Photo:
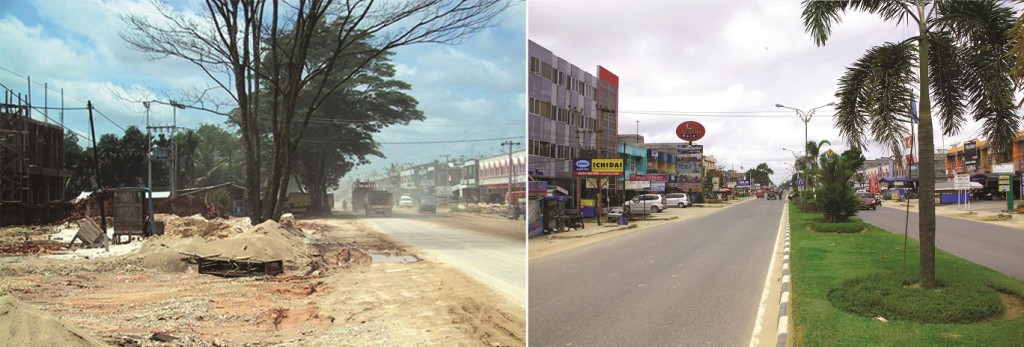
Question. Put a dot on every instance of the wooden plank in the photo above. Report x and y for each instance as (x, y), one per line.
(90, 233)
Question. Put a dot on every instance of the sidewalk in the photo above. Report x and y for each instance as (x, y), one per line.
(983, 211)
(557, 242)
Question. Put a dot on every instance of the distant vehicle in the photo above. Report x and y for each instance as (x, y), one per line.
(772, 195)
(405, 201)
(428, 203)
(379, 202)
(646, 204)
(516, 196)
(867, 201)
(759, 193)
(428, 199)
(359, 191)
(300, 203)
(681, 200)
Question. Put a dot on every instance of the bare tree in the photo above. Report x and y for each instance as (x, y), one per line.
(249, 47)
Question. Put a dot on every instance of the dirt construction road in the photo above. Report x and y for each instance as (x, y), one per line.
(365, 291)
(489, 249)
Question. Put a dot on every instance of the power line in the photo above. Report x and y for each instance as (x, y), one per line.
(46, 86)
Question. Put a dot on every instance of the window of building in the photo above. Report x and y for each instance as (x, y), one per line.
(534, 65)
(545, 70)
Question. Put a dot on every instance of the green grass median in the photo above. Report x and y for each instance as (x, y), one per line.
(843, 279)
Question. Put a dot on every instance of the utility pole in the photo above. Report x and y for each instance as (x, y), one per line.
(99, 183)
(174, 148)
(508, 195)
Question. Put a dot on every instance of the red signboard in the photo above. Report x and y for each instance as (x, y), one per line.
(690, 131)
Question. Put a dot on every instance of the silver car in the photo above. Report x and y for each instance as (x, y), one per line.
(680, 200)
(646, 204)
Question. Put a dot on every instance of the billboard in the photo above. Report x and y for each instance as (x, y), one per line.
(689, 163)
(971, 154)
(598, 167)
(649, 177)
(638, 185)
(658, 187)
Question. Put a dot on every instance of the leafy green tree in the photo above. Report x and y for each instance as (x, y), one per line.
(255, 49)
(348, 119)
(761, 174)
(809, 163)
(960, 55)
(75, 161)
(123, 160)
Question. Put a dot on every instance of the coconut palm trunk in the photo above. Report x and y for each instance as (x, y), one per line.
(926, 162)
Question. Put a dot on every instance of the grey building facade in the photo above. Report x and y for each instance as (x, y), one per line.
(563, 118)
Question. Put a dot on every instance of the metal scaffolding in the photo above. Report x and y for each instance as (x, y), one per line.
(31, 167)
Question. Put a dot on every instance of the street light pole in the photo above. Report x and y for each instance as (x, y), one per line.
(508, 194)
(806, 118)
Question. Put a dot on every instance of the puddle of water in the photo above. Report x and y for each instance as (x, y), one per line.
(392, 259)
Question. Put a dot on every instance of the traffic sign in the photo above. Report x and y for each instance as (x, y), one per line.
(962, 182)
(690, 131)
(800, 182)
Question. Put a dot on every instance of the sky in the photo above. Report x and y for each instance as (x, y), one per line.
(725, 64)
(474, 90)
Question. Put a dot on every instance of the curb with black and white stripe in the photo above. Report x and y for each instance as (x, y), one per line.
(783, 331)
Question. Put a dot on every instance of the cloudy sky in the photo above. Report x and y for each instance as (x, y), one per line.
(471, 91)
(722, 63)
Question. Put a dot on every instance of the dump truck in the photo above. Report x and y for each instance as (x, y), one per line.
(300, 203)
(359, 191)
(428, 202)
(379, 202)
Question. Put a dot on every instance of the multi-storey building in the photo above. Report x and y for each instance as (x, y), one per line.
(496, 171)
(564, 121)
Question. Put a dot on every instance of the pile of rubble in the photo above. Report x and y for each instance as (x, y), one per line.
(185, 238)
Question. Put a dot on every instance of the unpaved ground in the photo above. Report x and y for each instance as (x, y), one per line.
(347, 302)
(483, 223)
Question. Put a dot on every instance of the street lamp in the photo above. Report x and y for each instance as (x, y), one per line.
(805, 116)
(796, 157)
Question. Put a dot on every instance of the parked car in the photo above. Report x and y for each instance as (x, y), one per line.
(646, 204)
(867, 201)
(405, 201)
(680, 200)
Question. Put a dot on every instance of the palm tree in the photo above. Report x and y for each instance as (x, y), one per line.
(960, 54)
(810, 164)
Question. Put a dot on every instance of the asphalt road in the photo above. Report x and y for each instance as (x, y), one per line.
(997, 247)
(694, 282)
(496, 261)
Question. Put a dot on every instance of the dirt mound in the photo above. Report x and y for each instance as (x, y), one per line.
(266, 241)
(198, 226)
(23, 325)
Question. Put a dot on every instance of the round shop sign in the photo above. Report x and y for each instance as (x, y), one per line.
(583, 163)
(690, 131)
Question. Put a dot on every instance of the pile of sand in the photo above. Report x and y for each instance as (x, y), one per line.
(196, 225)
(264, 242)
(24, 325)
